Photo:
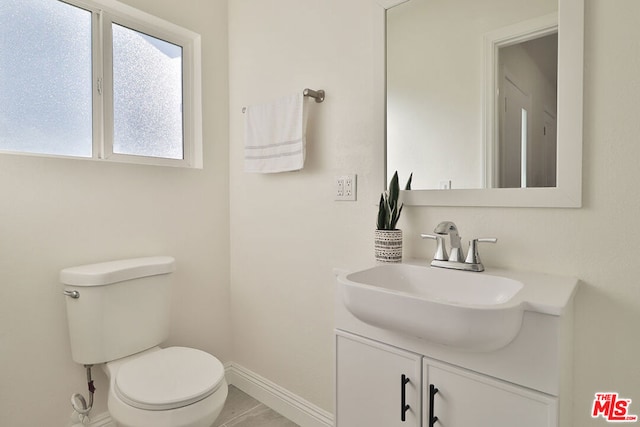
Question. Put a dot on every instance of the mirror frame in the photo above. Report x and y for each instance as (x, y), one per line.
(568, 190)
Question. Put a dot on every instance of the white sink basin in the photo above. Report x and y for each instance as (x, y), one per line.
(464, 310)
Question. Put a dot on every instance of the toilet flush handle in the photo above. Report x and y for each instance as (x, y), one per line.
(72, 294)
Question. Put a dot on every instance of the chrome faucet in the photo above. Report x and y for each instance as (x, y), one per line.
(455, 260)
(448, 227)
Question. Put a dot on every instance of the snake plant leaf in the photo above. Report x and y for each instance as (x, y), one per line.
(382, 214)
(408, 186)
(393, 218)
(396, 219)
(394, 191)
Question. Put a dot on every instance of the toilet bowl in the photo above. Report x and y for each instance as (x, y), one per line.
(118, 315)
(170, 387)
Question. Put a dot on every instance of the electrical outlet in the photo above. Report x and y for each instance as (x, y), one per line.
(445, 185)
(345, 187)
(348, 187)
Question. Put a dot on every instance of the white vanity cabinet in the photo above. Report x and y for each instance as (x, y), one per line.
(372, 390)
(376, 384)
(465, 398)
(496, 362)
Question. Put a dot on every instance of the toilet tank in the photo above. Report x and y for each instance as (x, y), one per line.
(122, 307)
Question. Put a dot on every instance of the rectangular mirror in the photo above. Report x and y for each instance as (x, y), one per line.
(483, 100)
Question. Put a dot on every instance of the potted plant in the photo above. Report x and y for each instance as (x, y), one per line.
(388, 238)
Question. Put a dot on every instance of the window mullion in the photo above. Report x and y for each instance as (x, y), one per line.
(107, 85)
(98, 85)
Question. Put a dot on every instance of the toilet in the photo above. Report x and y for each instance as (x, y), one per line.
(118, 315)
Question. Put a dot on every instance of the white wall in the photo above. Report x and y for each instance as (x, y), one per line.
(58, 213)
(287, 233)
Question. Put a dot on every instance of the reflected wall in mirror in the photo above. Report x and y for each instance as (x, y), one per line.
(526, 143)
(471, 86)
(522, 75)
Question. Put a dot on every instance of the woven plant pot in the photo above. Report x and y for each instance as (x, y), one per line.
(388, 245)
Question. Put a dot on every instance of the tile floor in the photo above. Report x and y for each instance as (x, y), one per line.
(242, 410)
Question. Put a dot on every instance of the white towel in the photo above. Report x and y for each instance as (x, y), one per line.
(274, 135)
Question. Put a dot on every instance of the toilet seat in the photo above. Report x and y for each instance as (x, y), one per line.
(169, 378)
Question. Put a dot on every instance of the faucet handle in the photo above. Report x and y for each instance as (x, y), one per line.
(473, 257)
(441, 252)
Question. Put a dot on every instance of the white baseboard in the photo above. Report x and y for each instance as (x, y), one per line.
(281, 400)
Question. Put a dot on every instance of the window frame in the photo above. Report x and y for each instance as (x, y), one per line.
(104, 13)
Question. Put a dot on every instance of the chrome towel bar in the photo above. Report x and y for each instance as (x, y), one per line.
(318, 95)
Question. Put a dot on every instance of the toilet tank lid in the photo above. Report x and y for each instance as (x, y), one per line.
(105, 273)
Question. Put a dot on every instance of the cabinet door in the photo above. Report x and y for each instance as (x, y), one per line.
(376, 385)
(466, 399)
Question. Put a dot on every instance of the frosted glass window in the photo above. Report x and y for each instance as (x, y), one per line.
(101, 80)
(147, 95)
(45, 78)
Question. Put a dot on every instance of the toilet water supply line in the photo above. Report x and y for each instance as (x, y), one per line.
(78, 402)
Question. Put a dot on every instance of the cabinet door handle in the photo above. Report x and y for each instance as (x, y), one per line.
(403, 398)
(432, 394)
